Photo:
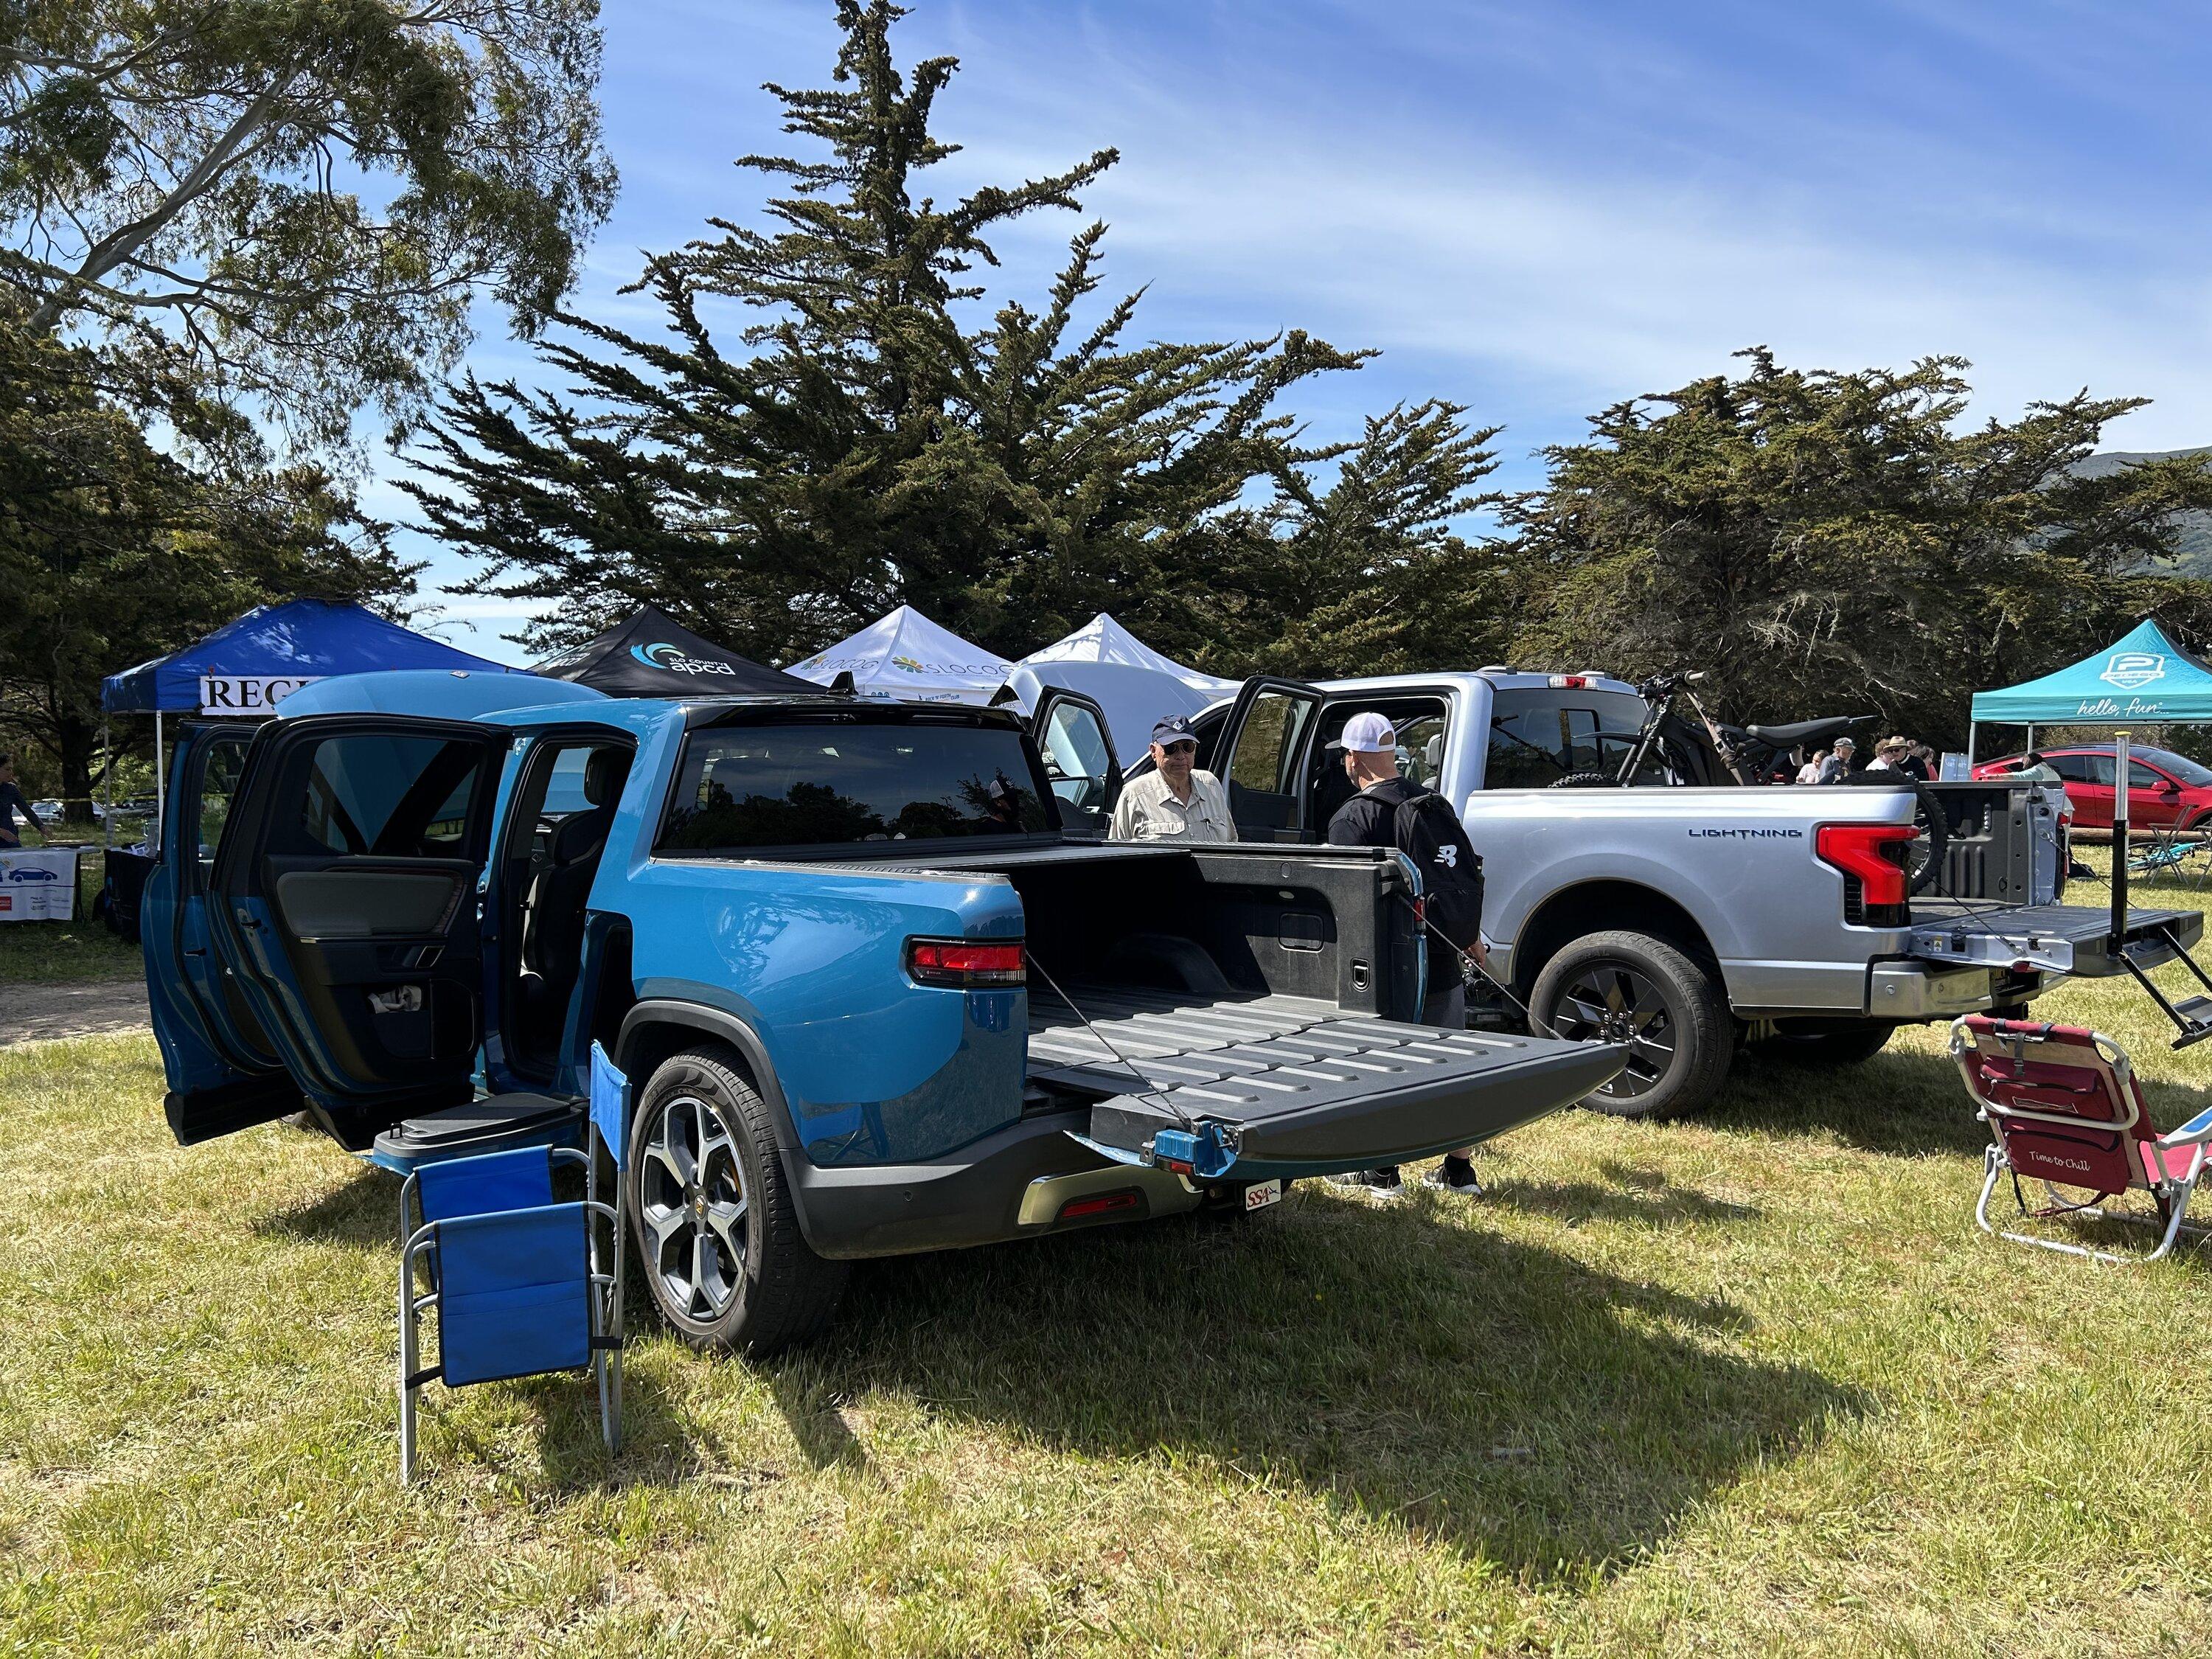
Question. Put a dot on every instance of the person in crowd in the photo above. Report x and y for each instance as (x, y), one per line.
(1886, 756)
(12, 802)
(1918, 762)
(1369, 819)
(1175, 801)
(1837, 768)
(2033, 767)
(1810, 771)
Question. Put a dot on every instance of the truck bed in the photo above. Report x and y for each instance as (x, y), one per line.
(1292, 1084)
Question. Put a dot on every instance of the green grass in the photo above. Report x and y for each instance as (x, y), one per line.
(1747, 1383)
(56, 952)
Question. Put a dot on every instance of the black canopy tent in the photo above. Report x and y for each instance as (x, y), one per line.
(652, 655)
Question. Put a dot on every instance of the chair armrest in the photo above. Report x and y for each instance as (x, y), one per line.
(2196, 1132)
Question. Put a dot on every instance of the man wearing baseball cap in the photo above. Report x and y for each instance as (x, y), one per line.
(1174, 801)
(1369, 819)
(1837, 768)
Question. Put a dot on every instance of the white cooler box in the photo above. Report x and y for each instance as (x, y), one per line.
(38, 886)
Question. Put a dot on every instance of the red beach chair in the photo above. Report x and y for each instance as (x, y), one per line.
(2064, 1108)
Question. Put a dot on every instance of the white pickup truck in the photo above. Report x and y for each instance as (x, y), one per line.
(1686, 922)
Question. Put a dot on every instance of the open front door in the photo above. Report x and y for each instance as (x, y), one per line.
(343, 901)
(1071, 734)
(223, 1074)
(1261, 755)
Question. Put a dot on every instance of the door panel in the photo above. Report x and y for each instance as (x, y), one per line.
(1070, 734)
(354, 903)
(1262, 749)
(349, 909)
(223, 1074)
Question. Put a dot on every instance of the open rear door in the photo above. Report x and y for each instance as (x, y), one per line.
(1071, 733)
(1260, 757)
(223, 1074)
(344, 902)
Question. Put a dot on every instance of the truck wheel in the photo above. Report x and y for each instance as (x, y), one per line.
(1827, 1042)
(716, 1228)
(1629, 988)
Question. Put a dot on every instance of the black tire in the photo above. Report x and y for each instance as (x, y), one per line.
(1925, 862)
(1827, 1041)
(777, 1291)
(1585, 781)
(1697, 1035)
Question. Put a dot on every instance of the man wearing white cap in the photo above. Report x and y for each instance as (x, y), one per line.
(1369, 819)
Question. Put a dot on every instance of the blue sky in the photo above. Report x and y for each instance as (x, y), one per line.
(1532, 209)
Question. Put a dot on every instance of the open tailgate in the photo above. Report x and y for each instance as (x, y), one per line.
(1251, 1088)
(2063, 938)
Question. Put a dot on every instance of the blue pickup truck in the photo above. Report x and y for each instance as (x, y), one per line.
(877, 984)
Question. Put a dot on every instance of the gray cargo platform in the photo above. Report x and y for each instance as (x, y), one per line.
(1296, 1085)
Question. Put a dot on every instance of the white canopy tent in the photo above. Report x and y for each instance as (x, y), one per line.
(1103, 640)
(1134, 685)
(906, 656)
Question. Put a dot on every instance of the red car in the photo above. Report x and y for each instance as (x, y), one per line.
(2163, 787)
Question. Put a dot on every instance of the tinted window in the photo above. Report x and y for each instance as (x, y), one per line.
(829, 784)
(2181, 767)
(2098, 769)
(1537, 738)
(2075, 768)
(219, 775)
(2141, 777)
(394, 797)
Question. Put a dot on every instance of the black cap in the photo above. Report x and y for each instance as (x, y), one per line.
(1174, 729)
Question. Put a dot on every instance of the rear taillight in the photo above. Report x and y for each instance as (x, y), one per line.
(1570, 682)
(964, 963)
(1872, 855)
(1104, 1204)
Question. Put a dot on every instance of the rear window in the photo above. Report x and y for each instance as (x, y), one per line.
(827, 784)
(1537, 738)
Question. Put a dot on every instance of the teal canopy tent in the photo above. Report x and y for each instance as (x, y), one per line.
(2145, 678)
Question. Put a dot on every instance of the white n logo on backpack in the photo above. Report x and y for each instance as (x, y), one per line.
(1447, 855)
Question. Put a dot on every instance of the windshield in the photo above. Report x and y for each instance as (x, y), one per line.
(2183, 770)
(834, 783)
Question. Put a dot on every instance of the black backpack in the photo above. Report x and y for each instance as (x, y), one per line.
(1429, 832)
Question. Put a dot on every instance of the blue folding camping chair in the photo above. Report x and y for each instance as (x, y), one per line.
(520, 1283)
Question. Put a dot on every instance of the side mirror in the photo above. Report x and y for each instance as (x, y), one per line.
(2168, 786)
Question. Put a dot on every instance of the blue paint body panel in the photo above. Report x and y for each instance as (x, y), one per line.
(871, 1067)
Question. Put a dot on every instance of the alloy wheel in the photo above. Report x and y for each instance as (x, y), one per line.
(691, 1208)
(1611, 1002)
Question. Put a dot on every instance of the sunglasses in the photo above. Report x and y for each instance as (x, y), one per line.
(1184, 748)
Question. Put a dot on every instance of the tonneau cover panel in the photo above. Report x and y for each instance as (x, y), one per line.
(1291, 1085)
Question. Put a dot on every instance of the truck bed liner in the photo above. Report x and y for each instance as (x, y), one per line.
(1296, 1086)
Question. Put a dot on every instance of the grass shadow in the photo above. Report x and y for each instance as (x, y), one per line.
(1636, 1195)
(1509, 1399)
(362, 1211)
(1900, 1103)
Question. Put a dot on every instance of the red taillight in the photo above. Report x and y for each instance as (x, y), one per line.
(964, 963)
(1570, 682)
(1873, 852)
(1103, 1204)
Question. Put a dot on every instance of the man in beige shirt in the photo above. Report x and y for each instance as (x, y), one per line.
(1174, 801)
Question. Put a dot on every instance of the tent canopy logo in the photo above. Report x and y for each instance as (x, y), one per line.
(2131, 669)
(672, 658)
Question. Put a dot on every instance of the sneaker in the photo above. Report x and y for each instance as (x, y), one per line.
(1454, 1174)
(1377, 1183)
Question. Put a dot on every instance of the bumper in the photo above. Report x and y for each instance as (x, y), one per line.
(1932, 991)
(1009, 1185)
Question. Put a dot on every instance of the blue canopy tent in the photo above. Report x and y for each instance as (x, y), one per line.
(247, 666)
(2145, 678)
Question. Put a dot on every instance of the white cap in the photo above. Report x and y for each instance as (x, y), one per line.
(1367, 734)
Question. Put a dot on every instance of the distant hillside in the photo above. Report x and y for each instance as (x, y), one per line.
(2194, 552)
